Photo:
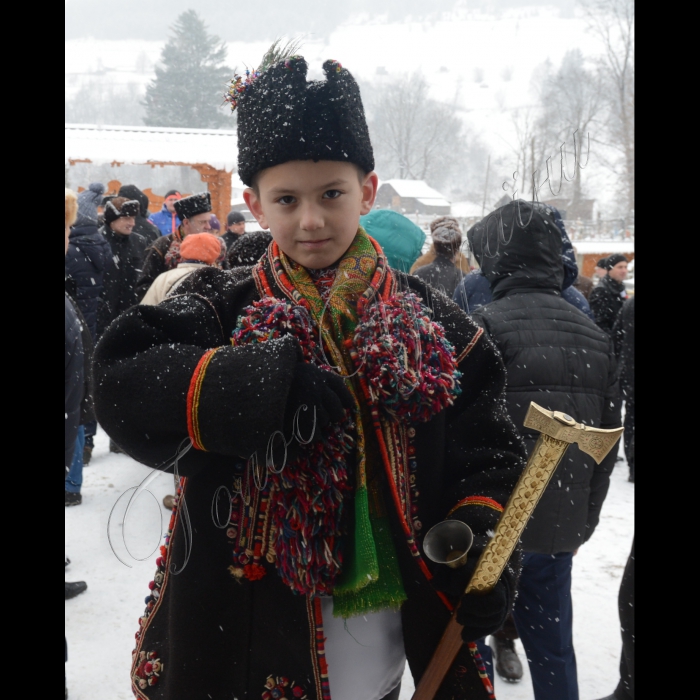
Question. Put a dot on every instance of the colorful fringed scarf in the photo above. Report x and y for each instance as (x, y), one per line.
(397, 360)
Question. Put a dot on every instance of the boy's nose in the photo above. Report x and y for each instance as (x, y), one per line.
(311, 218)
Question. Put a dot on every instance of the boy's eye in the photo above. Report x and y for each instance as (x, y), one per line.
(287, 199)
(332, 194)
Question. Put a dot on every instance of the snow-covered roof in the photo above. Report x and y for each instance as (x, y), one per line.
(417, 189)
(145, 144)
(585, 247)
(434, 202)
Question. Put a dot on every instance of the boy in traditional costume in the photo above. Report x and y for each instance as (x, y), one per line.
(334, 410)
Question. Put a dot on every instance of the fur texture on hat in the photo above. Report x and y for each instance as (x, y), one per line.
(121, 206)
(249, 248)
(199, 203)
(88, 201)
(282, 117)
(204, 247)
(446, 235)
(71, 207)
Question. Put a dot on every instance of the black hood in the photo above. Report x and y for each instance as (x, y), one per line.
(133, 192)
(518, 247)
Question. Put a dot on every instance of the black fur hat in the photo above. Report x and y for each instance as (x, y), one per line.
(249, 248)
(121, 206)
(188, 207)
(282, 117)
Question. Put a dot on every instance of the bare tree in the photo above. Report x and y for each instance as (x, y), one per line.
(414, 136)
(612, 21)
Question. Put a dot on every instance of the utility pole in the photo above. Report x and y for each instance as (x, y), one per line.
(486, 186)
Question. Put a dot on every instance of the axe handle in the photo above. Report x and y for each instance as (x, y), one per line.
(533, 481)
(439, 665)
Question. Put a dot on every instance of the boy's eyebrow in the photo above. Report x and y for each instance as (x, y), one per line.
(290, 190)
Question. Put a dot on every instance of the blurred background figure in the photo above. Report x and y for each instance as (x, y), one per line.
(248, 248)
(88, 257)
(74, 384)
(400, 239)
(167, 220)
(195, 214)
(128, 249)
(599, 271)
(197, 250)
(443, 273)
(235, 227)
(559, 358)
(215, 225)
(610, 294)
(623, 335)
(461, 262)
(584, 285)
(143, 226)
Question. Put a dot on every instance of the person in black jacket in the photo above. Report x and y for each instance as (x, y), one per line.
(442, 273)
(128, 249)
(235, 228)
(142, 225)
(164, 254)
(610, 294)
(623, 334)
(560, 359)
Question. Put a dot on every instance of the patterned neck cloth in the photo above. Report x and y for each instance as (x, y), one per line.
(370, 579)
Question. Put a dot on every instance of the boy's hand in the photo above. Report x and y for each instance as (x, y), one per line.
(480, 614)
(316, 388)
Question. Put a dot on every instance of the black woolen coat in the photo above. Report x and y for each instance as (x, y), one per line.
(88, 257)
(558, 358)
(120, 279)
(153, 264)
(220, 637)
(624, 346)
(606, 300)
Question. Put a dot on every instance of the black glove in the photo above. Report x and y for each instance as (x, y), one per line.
(479, 614)
(315, 388)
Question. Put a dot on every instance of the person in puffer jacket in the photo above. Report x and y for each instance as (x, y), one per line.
(89, 256)
(557, 357)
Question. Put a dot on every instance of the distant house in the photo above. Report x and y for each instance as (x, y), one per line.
(411, 197)
(154, 159)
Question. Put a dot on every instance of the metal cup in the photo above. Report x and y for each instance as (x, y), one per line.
(448, 543)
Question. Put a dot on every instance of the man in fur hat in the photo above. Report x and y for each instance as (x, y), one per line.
(195, 213)
(314, 452)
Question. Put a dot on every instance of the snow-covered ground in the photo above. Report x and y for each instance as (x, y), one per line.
(100, 623)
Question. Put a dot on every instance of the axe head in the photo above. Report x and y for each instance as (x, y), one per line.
(595, 442)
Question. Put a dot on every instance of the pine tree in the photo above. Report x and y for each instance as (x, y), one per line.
(190, 79)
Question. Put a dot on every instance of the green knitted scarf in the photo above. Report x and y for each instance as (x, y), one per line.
(370, 579)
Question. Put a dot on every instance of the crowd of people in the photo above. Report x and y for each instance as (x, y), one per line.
(412, 418)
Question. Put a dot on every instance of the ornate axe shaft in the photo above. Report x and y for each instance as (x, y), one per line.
(557, 432)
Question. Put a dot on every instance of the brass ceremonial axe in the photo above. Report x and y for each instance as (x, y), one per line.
(557, 432)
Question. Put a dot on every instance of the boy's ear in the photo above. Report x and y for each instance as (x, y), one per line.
(253, 201)
(370, 184)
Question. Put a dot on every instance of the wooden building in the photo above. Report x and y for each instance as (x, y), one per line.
(155, 160)
(411, 197)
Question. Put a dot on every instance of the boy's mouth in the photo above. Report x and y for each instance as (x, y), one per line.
(313, 245)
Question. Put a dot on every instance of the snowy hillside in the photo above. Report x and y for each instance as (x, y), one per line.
(481, 63)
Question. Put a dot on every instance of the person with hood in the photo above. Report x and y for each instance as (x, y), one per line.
(249, 248)
(88, 257)
(558, 358)
(474, 290)
(610, 294)
(143, 226)
(195, 213)
(167, 220)
(128, 249)
(442, 273)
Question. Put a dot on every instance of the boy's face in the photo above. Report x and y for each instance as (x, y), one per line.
(312, 209)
